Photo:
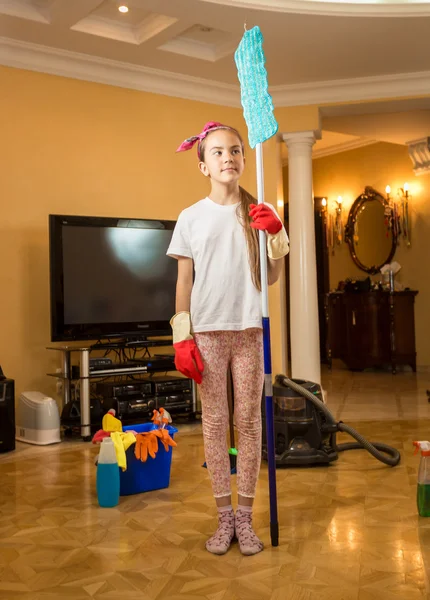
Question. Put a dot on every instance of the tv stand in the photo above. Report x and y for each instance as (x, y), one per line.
(66, 376)
(138, 342)
(85, 375)
(141, 342)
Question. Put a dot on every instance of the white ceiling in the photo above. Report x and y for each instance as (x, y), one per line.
(395, 128)
(299, 48)
(315, 54)
(395, 121)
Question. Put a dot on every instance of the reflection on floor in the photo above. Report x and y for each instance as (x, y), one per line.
(377, 396)
(347, 532)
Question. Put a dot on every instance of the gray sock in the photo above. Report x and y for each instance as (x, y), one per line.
(248, 541)
(220, 542)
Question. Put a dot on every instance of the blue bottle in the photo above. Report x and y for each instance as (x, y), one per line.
(107, 475)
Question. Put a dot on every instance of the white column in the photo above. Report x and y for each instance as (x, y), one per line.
(304, 325)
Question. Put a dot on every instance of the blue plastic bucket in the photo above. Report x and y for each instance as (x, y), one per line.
(154, 474)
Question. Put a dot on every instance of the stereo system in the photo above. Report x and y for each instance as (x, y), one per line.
(113, 389)
(99, 363)
(133, 398)
(105, 366)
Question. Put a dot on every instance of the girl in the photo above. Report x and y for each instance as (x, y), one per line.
(218, 320)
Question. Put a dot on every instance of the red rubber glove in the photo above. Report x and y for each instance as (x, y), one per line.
(264, 218)
(188, 360)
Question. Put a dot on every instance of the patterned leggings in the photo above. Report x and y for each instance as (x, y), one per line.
(243, 351)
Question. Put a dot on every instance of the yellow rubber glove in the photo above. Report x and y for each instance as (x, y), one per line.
(278, 244)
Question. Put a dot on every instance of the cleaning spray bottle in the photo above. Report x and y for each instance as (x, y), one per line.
(423, 488)
(107, 475)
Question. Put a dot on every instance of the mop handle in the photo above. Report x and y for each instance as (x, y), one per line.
(268, 387)
(262, 234)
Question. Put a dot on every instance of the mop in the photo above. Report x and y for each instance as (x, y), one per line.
(258, 112)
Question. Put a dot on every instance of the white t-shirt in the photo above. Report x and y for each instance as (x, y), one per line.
(223, 295)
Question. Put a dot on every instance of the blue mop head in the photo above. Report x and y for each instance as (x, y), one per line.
(256, 101)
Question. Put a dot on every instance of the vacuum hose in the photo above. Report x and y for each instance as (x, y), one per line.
(386, 454)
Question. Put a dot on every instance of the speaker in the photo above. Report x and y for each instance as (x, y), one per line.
(7, 415)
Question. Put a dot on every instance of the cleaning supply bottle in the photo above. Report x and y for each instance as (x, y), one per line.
(107, 475)
(423, 488)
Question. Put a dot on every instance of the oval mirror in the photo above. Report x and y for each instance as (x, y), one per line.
(369, 233)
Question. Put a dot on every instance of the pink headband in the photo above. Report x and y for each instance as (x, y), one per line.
(208, 128)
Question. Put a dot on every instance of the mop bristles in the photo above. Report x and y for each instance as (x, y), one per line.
(256, 101)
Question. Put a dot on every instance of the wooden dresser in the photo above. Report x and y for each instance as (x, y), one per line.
(371, 329)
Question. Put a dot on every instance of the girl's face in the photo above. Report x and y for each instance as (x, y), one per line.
(223, 159)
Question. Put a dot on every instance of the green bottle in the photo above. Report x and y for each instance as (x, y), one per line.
(423, 487)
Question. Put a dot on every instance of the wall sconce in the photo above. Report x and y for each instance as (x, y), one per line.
(333, 222)
(338, 222)
(399, 219)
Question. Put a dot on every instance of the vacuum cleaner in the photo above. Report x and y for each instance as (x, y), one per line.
(305, 429)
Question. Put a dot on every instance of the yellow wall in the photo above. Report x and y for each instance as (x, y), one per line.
(346, 174)
(298, 118)
(74, 147)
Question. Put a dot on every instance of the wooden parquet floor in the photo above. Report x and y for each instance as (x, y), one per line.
(347, 532)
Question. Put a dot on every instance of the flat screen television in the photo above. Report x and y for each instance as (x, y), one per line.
(110, 277)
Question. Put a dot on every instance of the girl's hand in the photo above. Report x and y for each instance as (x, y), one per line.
(188, 360)
(264, 218)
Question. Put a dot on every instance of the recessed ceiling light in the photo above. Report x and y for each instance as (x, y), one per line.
(123, 8)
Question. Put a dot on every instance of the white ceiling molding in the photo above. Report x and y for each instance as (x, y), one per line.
(106, 28)
(196, 49)
(344, 147)
(419, 151)
(337, 148)
(23, 10)
(153, 25)
(123, 32)
(65, 14)
(33, 57)
(204, 43)
(340, 8)
(346, 90)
